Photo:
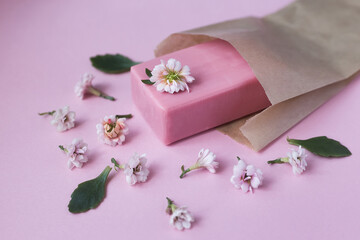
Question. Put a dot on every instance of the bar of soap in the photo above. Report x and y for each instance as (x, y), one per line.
(224, 89)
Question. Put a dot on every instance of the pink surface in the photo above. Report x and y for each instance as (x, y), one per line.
(45, 46)
(224, 89)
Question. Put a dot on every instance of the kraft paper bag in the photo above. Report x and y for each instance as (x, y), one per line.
(302, 55)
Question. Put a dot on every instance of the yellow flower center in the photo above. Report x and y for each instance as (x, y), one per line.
(173, 76)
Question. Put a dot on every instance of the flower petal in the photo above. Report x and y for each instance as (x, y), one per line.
(171, 64)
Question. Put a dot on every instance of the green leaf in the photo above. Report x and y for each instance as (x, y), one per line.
(322, 146)
(148, 82)
(148, 72)
(89, 194)
(112, 63)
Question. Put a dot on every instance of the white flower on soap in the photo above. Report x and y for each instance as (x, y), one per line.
(112, 130)
(206, 159)
(76, 152)
(64, 119)
(246, 177)
(171, 77)
(136, 170)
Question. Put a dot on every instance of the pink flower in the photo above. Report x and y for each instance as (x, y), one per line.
(181, 218)
(76, 152)
(136, 170)
(171, 77)
(83, 85)
(297, 160)
(112, 130)
(206, 159)
(64, 119)
(246, 176)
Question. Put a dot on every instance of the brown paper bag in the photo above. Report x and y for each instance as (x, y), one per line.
(301, 55)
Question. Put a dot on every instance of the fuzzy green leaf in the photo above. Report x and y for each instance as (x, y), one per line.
(109, 63)
(148, 72)
(89, 194)
(148, 82)
(322, 146)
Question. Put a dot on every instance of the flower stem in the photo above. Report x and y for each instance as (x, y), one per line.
(117, 166)
(279, 161)
(98, 93)
(107, 97)
(47, 113)
(124, 116)
(171, 206)
(169, 201)
(62, 148)
(184, 171)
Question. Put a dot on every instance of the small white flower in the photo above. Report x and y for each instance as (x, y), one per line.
(171, 77)
(297, 159)
(64, 119)
(76, 152)
(181, 218)
(136, 170)
(206, 159)
(112, 130)
(246, 176)
(83, 85)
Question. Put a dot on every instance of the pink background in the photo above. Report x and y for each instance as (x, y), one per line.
(45, 48)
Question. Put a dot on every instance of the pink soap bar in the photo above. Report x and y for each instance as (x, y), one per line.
(224, 89)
